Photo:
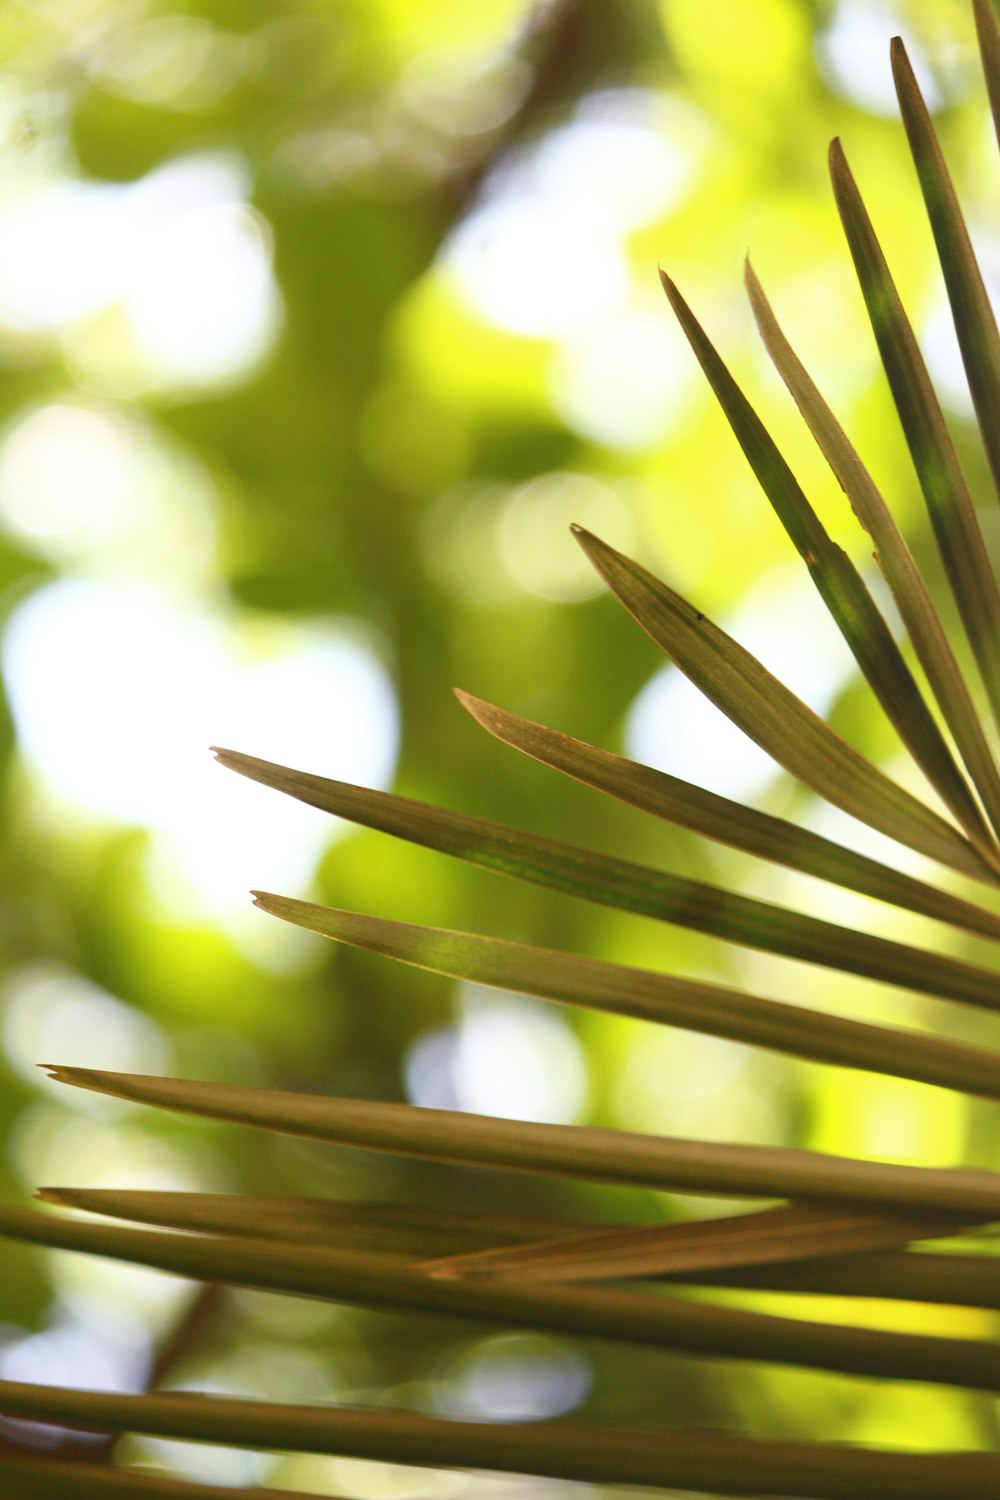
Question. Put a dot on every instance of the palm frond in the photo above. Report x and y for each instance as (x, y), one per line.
(711, 1464)
(830, 1226)
(840, 585)
(760, 705)
(636, 888)
(587, 1152)
(949, 504)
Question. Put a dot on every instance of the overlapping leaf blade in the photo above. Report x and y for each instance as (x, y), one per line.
(792, 1232)
(925, 1277)
(972, 312)
(769, 713)
(949, 504)
(695, 1005)
(43, 1478)
(839, 583)
(635, 888)
(590, 1153)
(647, 1319)
(720, 818)
(562, 1251)
(965, 1279)
(712, 1464)
(892, 554)
(409, 1231)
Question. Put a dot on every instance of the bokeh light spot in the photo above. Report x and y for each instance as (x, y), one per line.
(87, 486)
(534, 533)
(118, 691)
(508, 1056)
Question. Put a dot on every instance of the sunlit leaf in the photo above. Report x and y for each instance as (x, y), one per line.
(710, 1463)
(769, 713)
(839, 583)
(651, 1319)
(635, 888)
(949, 503)
(403, 1229)
(38, 1477)
(892, 554)
(902, 1276)
(972, 1280)
(589, 1152)
(695, 1005)
(989, 47)
(728, 822)
(975, 324)
(797, 1231)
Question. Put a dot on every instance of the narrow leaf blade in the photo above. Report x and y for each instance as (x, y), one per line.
(972, 311)
(902, 1276)
(28, 1477)
(793, 1232)
(401, 1229)
(775, 718)
(839, 583)
(636, 888)
(646, 1319)
(728, 822)
(586, 1152)
(892, 554)
(989, 46)
(708, 1463)
(594, 984)
(949, 503)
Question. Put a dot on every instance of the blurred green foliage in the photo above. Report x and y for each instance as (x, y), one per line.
(350, 309)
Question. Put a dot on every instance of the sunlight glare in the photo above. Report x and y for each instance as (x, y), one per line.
(543, 255)
(180, 254)
(853, 52)
(87, 485)
(508, 1056)
(118, 691)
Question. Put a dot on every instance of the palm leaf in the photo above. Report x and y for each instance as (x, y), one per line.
(989, 47)
(693, 1004)
(892, 554)
(649, 1320)
(841, 1221)
(634, 888)
(409, 1231)
(949, 503)
(774, 717)
(712, 1464)
(590, 1153)
(839, 583)
(37, 1478)
(709, 814)
(793, 1232)
(975, 324)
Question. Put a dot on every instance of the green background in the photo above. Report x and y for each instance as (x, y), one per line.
(437, 340)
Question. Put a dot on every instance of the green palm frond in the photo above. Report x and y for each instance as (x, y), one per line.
(817, 1225)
